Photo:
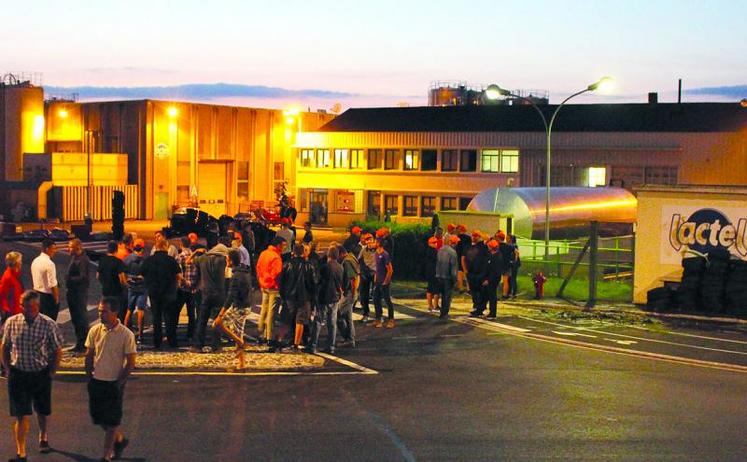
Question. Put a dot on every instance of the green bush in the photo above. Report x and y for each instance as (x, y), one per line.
(409, 248)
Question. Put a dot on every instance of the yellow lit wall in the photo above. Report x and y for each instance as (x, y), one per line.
(24, 127)
(71, 169)
(64, 122)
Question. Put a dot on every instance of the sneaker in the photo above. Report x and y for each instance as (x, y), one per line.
(443, 316)
(390, 324)
(17, 458)
(377, 324)
(119, 447)
(207, 349)
(364, 319)
(490, 316)
(44, 447)
(474, 314)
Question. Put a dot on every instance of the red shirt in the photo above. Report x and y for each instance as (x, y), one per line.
(10, 292)
(269, 266)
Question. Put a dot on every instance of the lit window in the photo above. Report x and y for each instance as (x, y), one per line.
(597, 176)
(391, 205)
(448, 203)
(490, 159)
(509, 161)
(427, 206)
(411, 159)
(341, 158)
(307, 157)
(322, 158)
(356, 158)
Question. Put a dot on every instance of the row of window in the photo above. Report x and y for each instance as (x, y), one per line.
(424, 160)
(428, 204)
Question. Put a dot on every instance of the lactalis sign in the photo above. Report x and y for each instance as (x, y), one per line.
(702, 230)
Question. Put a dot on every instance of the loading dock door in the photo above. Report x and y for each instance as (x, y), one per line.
(211, 188)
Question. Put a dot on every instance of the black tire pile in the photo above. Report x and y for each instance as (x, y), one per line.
(736, 288)
(715, 284)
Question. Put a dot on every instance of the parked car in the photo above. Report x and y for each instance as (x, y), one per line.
(187, 220)
(35, 235)
(60, 234)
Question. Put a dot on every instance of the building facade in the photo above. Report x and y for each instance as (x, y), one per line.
(413, 162)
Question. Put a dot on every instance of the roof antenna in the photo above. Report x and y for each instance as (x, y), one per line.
(679, 92)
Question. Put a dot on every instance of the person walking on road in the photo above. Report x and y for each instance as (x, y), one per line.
(237, 305)
(269, 267)
(350, 272)
(162, 274)
(112, 277)
(382, 281)
(330, 293)
(110, 358)
(447, 269)
(31, 353)
(44, 277)
(11, 286)
(77, 282)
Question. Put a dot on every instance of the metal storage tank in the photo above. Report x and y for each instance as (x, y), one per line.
(571, 210)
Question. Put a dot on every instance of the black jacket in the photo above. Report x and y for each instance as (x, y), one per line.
(476, 260)
(240, 288)
(160, 271)
(330, 282)
(496, 267)
(298, 281)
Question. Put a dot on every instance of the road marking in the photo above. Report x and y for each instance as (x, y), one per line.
(664, 342)
(405, 337)
(704, 337)
(621, 342)
(484, 322)
(232, 374)
(573, 334)
(361, 369)
(452, 335)
(388, 431)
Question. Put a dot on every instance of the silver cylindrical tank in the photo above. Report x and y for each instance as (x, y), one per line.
(571, 210)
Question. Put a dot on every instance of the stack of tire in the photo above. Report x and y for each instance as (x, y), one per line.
(661, 299)
(736, 288)
(687, 296)
(118, 215)
(713, 281)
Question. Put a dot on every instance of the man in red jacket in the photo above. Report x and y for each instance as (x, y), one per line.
(11, 287)
(269, 267)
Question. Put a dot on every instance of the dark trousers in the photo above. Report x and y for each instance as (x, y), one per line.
(365, 294)
(512, 277)
(163, 307)
(209, 305)
(479, 295)
(325, 313)
(190, 300)
(76, 303)
(491, 294)
(382, 292)
(47, 305)
(447, 287)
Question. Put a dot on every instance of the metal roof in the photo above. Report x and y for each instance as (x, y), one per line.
(657, 117)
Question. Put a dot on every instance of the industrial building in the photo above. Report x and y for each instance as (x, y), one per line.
(412, 162)
(63, 158)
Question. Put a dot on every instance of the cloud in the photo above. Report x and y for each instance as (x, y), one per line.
(196, 92)
(734, 92)
(130, 69)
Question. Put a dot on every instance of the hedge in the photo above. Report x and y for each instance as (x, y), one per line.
(409, 248)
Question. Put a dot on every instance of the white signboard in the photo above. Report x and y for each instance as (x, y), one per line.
(688, 229)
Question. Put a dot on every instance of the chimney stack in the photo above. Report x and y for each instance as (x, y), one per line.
(653, 97)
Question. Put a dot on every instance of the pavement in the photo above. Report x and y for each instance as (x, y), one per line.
(525, 386)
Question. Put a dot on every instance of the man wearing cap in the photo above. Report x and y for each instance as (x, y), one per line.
(476, 269)
(287, 235)
(352, 241)
(465, 241)
(431, 257)
(447, 267)
(367, 265)
(496, 268)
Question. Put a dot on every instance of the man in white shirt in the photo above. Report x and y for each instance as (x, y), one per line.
(110, 359)
(44, 276)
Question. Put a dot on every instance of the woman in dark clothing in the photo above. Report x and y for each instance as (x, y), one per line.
(514, 271)
(307, 236)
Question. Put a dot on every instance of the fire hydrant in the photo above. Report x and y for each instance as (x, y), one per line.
(539, 285)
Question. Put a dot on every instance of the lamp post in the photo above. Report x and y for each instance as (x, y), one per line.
(494, 92)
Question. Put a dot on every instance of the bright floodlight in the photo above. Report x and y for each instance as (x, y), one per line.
(172, 111)
(62, 113)
(495, 92)
(603, 85)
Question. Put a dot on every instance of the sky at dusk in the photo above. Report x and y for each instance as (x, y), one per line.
(385, 52)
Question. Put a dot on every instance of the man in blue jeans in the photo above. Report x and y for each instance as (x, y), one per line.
(382, 281)
(329, 297)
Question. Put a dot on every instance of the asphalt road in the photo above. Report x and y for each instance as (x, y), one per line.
(457, 390)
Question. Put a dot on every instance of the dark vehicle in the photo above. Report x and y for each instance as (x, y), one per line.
(187, 220)
(60, 234)
(263, 235)
(35, 235)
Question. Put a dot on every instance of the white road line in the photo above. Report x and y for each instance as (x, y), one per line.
(478, 321)
(664, 342)
(573, 334)
(345, 362)
(704, 337)
(621, 342)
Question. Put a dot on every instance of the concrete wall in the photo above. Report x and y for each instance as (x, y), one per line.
(22, 127)
(659, 245)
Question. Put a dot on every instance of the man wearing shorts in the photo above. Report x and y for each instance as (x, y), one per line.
(32, 348)
(298, 286)
(110, 357)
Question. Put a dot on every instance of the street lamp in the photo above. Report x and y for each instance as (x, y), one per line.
(494, 92)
